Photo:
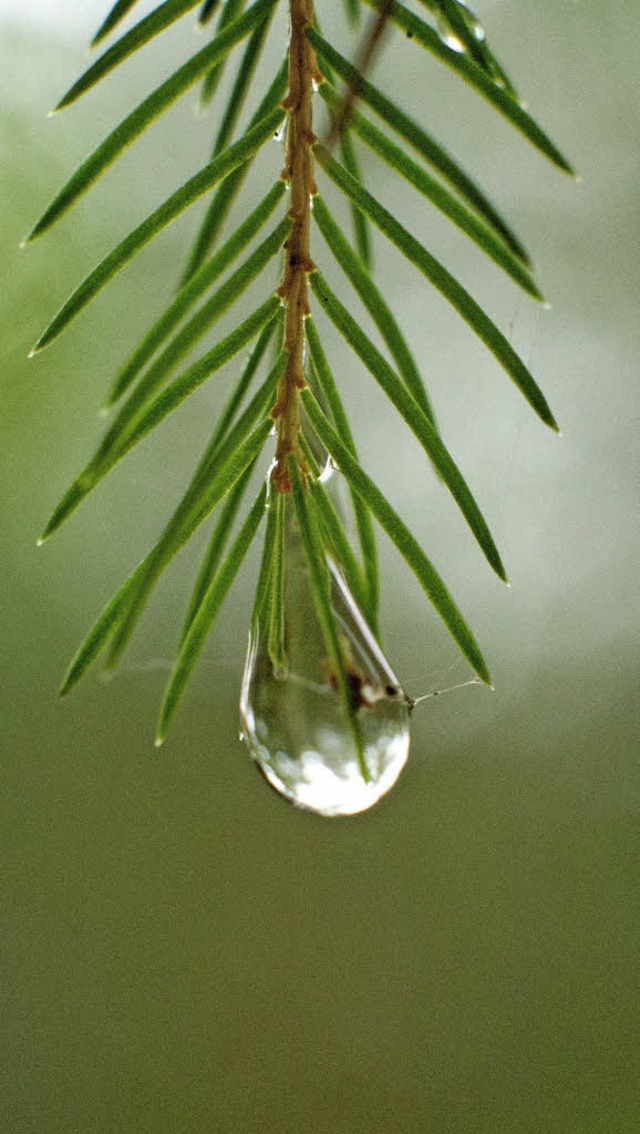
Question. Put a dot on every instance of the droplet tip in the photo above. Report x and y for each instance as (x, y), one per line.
(159, 741)
(40, 540)
(546, 306)
(52, 113)
(578, 178)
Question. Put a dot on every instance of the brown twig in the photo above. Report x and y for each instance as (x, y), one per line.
(362, 63)
(299, 173)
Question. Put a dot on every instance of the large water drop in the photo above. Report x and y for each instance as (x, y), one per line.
(294, 720)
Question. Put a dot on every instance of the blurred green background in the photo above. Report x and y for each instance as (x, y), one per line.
(182, 951)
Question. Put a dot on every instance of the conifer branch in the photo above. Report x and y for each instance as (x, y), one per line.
(297, 397)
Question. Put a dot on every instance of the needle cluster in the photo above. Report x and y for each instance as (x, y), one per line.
(286, 378)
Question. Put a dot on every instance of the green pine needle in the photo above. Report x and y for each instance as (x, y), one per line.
(151, 26)
(117, 13)
(419, 424)
(207, 613)
(215, 548)
(230, 11)
(366, 536)
(192, 291)
(223, 199)
(361, 226)
(445, 283)
(113, 449)
(197, 504)
(336, 540)
(376, 305)
(196, 328)
(397, 531)
(423, 143)
(242, 84)
(146, 113)
(276, 632)
(420, 32)
(176, 204)
(320, 581)
(208, 9)
(473, 226)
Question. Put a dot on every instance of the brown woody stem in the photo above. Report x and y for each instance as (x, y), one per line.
(293, 290)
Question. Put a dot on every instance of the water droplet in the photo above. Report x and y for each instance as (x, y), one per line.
(295, 722)
(450, 37)
(328, 469)
(476, 25)
(447, 35)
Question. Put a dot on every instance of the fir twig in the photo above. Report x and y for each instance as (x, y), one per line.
(297, 397)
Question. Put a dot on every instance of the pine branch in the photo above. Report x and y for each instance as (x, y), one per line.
(356, 697)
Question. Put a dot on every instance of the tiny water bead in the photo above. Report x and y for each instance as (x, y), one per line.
(294, 719)
(447, 35)
(476, 25)
(451, 38)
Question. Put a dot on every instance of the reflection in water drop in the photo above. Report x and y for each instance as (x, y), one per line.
(450, 37)
(447, 35)
(295, 723)
(476, 25)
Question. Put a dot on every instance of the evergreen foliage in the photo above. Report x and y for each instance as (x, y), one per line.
(296, 394)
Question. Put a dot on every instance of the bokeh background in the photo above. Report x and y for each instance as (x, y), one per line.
(182, 951)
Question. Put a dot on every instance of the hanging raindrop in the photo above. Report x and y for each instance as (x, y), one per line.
(294, 719)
